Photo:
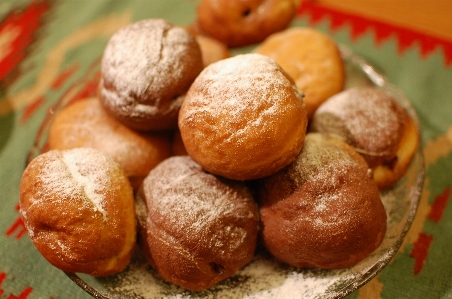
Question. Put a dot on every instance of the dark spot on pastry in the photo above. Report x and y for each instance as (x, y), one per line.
(391, 163)
(217, 268)
(246, 12)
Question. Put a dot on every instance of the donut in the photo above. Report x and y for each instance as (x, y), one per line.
(195, 229)
(241, 23)
(323, 210)
(311, 58)
(243, 118)
(86, 124)
(146, 69)
(375, 125)
(78, 208)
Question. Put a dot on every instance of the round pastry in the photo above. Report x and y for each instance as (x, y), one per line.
(311, 58)
(243, 118)
(323, 210)
(196, 229)
(241, 23)
(146, 68)
(375, 125)
(212, 50)
(87, 124)
(78, 208)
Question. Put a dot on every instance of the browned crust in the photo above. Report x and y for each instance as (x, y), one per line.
(324, 210)
(67, 230)
(311, 58)
(243, 118)
(241, 23)
(213, 233)
(87, 124)
(147, 67)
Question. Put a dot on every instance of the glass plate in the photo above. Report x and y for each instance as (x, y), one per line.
(264, 277)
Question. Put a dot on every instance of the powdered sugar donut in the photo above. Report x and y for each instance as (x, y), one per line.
(375, 125)
(196, 229)
(146, 69)
(243, 118)
(78, 208)
(323, 210)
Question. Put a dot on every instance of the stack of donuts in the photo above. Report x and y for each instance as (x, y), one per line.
(195, 156)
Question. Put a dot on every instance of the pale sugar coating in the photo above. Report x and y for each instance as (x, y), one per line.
(78, 208)
(74, 174)
(311, 164)
(87, 176)
(186, 196)
(367, 118)
(200, 229)
(146, 67)
(243, 117)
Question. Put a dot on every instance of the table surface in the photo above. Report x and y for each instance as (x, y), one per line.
(50, 50)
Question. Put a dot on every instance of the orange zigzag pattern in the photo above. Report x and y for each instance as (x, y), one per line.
(360, 25)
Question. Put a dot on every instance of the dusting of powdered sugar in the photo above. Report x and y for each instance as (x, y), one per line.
(146, 65)
(247, 84)
(316, 159)
(76, 173)
(263, 278)
(86, 169)
(366, 117)
(144, 51)
(187, 197)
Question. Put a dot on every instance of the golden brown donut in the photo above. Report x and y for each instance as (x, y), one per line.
(311, 58)
(375, 125)
(241, 23)
(87, 124)
(243, 118)
(146, 68)
(323, 210)
(78, 208)
(196, 229)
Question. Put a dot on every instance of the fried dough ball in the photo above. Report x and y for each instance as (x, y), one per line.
(196, 229)
(243, 118)
(241, 23)
(323, 210)
(78, 208)
(147, 67)
(375, 125)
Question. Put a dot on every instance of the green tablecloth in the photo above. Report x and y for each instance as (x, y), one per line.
(50, 50)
